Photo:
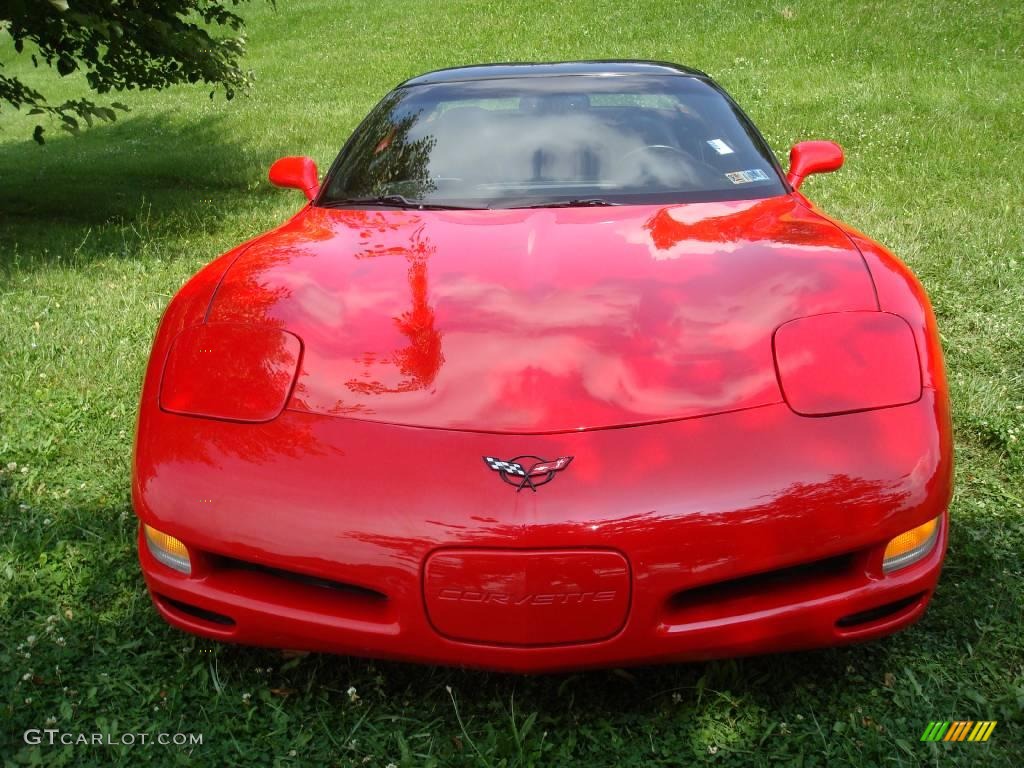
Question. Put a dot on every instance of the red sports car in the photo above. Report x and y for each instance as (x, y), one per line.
(556, 368)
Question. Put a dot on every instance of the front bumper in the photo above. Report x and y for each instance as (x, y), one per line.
(743, 533)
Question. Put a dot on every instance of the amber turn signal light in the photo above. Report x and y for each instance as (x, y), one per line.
(167, 549)
(911, 546)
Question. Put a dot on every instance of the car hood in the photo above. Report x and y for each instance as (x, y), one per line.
(542, 320)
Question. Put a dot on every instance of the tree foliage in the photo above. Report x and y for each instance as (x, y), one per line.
(121, 45)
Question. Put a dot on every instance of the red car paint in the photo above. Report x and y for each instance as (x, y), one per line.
(230, 371)
(831, 363)
(583, 594)
(467, 320)
(702, 515)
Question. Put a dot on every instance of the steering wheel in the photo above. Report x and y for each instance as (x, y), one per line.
(655, 148)
(680, 155)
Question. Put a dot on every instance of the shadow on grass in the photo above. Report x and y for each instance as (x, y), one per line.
(155, 174)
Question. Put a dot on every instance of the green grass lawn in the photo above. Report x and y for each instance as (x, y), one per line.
(97, 232)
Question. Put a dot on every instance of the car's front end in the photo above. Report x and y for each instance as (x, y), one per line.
(747, 532)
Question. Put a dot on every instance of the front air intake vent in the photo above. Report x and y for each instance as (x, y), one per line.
(878, 614)
(349, 590)
(761, 591)
(195, 612)
(761, 583)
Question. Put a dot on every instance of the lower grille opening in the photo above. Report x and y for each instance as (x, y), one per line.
(761, 584)
(877, 614)
(198, 613)
(349, 590)
(765, 591)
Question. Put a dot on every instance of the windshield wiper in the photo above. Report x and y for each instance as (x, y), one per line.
(396, 201)
(579, 202)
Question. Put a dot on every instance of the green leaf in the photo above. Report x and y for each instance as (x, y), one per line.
(527, 725)
(145, 44)
(403, 749)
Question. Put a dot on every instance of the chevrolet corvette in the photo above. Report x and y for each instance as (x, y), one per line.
(555, 368)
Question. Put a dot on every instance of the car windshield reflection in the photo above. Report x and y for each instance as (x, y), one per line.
(527, 142)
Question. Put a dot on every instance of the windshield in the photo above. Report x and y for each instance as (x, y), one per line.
(536, 141)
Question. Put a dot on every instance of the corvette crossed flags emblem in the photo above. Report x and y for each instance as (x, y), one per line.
(527, 475)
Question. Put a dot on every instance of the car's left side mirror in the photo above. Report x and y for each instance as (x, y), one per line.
(809, 157)
(296, 173)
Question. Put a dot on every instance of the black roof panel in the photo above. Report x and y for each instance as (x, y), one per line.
(552, 69)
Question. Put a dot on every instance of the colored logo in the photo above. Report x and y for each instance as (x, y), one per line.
(959, 730)
(527, 475)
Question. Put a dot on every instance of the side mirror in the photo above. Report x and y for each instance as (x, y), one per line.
(809, 157)
(297, 173)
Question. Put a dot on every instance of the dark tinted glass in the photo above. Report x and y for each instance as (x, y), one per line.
(532, 141)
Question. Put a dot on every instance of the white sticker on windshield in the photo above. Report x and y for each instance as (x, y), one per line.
(745, 177)
(720, 147)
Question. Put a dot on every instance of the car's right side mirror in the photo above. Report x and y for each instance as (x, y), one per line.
(809, 157)
(296, 173)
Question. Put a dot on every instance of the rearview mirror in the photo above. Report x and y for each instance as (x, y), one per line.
(297, 173)
(809, 157)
